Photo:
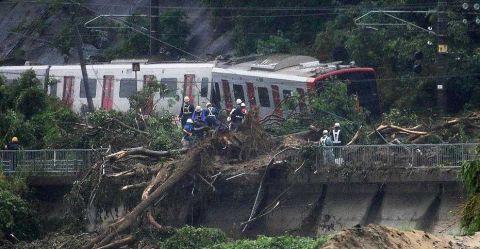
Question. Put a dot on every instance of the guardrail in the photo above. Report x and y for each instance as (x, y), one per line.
(48, 162)
(407, 155)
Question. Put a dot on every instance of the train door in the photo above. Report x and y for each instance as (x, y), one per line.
(227, 95)
(107, 92)
(189, 80)
(148, 108)
(251, 95)
(276, 100)
(68, 82)
(301, 104)
(215, 96)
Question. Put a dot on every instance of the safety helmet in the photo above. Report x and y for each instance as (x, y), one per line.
(189, 121)
(198, 108)
(14, 139)
(325, 132)
(239, 101)
(337, 124)
(209, 104)
(242, 105)
(186, 99)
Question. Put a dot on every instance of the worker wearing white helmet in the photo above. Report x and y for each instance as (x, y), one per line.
(239, 101)
(325, 142)
(211, 115)
(198, 114)
(186, 111)
(187, 133)
(336, 133)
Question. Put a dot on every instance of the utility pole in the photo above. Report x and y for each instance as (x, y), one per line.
(154, 28)
(441, 58)
(79, 45)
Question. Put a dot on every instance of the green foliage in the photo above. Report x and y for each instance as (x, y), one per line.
(64, 39)
(470, 175)
(400, 117)
(193, 238)
(174, 30)
(16, 217)
(281, 242)
(31, 101)
(274, 44)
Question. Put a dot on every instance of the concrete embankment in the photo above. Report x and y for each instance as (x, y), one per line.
(423, 199)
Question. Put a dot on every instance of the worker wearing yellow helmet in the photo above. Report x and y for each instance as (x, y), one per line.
(13, 145)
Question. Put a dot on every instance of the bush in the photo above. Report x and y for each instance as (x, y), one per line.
(281, 242)
(470, 174)
(16, 217)
(193, 238)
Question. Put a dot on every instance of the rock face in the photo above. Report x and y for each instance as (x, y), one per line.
(21, 41)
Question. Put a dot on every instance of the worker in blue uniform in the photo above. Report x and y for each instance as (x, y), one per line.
(187, 133)
(211, 115)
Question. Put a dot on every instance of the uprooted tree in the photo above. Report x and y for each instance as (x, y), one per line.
(140, 178)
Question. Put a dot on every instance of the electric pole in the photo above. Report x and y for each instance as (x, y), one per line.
(79, 45)
(442, 50)
(154, 18)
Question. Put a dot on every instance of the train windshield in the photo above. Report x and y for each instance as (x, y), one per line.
(364, 86)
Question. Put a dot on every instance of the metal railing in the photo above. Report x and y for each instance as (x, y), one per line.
(48, 162)
(407, 155)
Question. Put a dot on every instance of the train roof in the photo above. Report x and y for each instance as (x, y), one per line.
(294, 65)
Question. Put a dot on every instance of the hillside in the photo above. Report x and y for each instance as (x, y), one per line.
(29, 31)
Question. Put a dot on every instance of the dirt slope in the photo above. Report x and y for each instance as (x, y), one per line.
(376, 236)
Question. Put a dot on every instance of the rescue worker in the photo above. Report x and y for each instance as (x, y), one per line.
(243, 107)
(198, 115)
(211, 115)
(236, 116)
(13, 145)
(186, 111)
(337, 141)
(337, 135)
(12, 156)
(187, 133)
(325, 142)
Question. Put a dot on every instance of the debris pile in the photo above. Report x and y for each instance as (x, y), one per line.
(376, 236)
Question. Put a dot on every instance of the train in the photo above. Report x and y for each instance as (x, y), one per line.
(262, 82)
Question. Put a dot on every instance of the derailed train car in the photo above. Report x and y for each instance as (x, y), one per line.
(263, 83)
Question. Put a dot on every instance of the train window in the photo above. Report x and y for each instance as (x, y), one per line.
(238, 92)
(171, 84)
(128, 87)
(204, 87)
(286, 94)
(53, 89)
(263, 96)
(92, 86)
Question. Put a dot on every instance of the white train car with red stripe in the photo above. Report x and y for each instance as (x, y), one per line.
(262, 83)
(266, 82)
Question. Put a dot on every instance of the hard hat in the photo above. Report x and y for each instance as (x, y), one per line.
(229, 119)
(337, 124)
(186, 99)
(14, 140)
(325, 132)
(209, 104)
(239, 101)
(198, 108)
(189, 121)
(242, 105)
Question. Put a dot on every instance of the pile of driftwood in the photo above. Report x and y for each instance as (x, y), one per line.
(157, 172)
(447, 130)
